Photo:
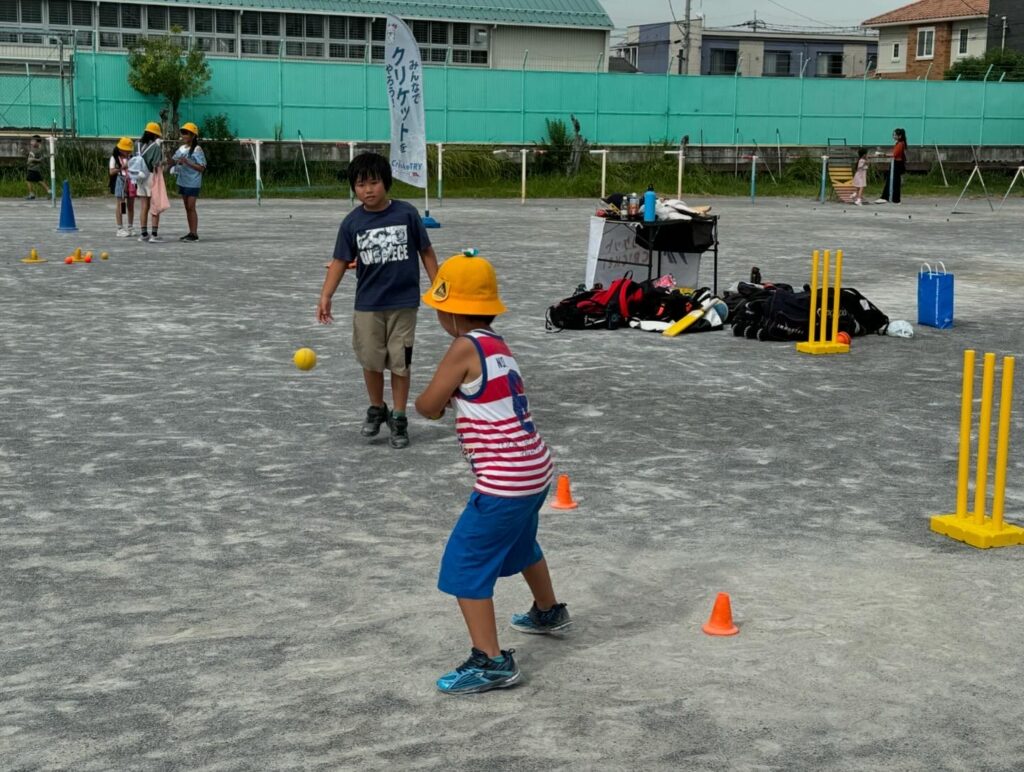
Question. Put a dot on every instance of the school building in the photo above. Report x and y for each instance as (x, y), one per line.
(566, 35)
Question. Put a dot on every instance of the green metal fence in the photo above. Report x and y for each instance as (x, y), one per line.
(326, 101)
(33, 101)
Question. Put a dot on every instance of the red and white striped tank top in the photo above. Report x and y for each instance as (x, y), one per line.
(495, 428)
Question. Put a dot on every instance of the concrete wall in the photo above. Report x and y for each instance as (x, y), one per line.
(887, 63)
(652, 48)
(977, 32)
(751, 62)
(855, 60)
(550, 49)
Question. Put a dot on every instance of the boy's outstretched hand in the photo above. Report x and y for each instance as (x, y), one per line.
(323, 311)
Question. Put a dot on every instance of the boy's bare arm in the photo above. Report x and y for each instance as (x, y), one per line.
(450, 374)
(331, 281)
(429, 258)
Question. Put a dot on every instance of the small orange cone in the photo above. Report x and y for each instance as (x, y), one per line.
(720, 622)
(563, 495)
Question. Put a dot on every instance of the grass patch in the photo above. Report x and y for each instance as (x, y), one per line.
(477, 172)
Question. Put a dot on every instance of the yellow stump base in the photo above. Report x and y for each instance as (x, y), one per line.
(982, 536)
(36, 259)
(806, 347)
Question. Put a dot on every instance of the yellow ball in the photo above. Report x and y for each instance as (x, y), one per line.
(305, 359)
(104, 255)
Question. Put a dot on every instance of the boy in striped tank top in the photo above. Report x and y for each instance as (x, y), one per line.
(496, 535)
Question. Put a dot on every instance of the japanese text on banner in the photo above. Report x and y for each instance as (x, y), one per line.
(404, 79)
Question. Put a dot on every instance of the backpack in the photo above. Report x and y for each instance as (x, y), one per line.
(137, 169)
(607, 308)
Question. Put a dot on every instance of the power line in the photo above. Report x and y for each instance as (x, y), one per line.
(796, 13)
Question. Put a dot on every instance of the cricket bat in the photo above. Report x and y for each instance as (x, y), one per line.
(681, 325)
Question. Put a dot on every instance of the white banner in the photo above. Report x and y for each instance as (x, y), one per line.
(612, 250)
(403, 72)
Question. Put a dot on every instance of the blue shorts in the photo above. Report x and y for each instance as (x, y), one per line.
(494, 537)
(194, 192)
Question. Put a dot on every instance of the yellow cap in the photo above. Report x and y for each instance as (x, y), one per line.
(154, 128)
(191, 128)
(125, 144)
(466, 285)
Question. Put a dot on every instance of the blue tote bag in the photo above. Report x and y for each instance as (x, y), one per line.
(935, 297)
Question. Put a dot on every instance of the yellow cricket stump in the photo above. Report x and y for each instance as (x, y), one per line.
(826, 342)
(974, 527)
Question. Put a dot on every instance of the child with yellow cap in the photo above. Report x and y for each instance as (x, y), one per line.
(188, 165)
(496, 535)
(149, 148)
(122, 187)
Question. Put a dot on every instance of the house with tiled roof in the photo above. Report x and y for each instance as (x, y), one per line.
(924, 39)
(496, 34)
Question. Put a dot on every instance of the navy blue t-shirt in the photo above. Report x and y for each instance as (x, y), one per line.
(387, 245)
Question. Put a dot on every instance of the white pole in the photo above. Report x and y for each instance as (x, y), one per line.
(1017, 176)
(52, 142)
(680, 155)
(604, 168)
(440, 173)
(302, 150)
(679, 169)
(259, 175)
(522, 183)
(351, 157)
(938, 157)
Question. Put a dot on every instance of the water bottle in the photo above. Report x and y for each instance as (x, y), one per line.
(650, 204)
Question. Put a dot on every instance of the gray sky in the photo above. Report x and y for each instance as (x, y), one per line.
(723, 13)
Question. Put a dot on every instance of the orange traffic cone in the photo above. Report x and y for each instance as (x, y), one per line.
(720, 622)
(563, 495)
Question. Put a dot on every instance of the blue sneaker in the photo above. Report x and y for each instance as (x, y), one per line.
(480, 673)
(554, 620)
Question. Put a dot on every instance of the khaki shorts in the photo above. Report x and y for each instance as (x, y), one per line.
(383, 340)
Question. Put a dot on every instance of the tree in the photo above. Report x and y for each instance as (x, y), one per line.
(1006, 64)
(162, 66)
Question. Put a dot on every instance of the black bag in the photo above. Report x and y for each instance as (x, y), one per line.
(779, 314)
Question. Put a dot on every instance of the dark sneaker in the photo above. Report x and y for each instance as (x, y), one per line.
(554, 620)
(189, 237)
(399, 426)
(480, 673)
(375, 416)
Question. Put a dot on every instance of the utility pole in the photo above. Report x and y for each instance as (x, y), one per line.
(686, 40)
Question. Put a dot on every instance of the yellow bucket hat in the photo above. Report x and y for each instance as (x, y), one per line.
(154, 128)
(191, 128)
(465, 284)
(125, 144)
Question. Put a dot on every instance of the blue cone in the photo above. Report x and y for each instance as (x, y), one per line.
(67, 212)
(428, 221)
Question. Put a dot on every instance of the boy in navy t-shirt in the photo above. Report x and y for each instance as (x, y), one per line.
(384, 239)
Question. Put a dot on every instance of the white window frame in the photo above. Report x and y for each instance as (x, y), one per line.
(923, 34)
(963, 38)
(896, 52)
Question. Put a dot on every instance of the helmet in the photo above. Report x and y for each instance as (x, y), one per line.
(154, 128)
(191, 128)
(465, 284)
(125, 144)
